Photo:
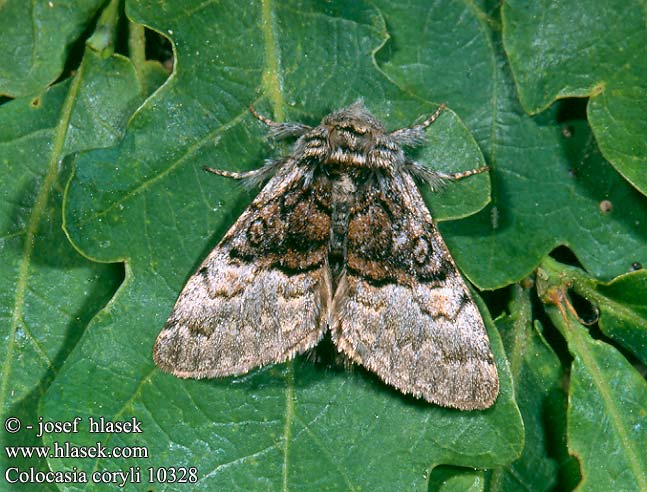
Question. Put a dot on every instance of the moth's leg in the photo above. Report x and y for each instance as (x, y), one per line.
(251, 178)
(281, 130)
(437, 179)
(415, 135)
(233, 174)
(463, 174)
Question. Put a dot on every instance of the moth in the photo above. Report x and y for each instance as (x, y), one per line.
(338, 239)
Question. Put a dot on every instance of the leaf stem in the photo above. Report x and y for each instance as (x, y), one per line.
(137, 51)
(103, 38)
(272, 81)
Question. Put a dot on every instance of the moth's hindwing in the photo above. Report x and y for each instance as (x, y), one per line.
(262, 295)
(402, 309)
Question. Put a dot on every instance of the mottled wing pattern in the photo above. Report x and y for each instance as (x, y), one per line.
(262, 295)
(403, 310)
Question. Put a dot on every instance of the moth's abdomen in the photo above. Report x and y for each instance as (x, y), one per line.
(343, 194)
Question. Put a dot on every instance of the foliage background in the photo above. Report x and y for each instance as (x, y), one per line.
(110, 111)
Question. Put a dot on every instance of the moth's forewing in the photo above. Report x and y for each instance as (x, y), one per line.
(409, 317)
(254, 300)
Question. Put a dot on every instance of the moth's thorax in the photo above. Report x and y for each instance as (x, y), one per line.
(351, 143)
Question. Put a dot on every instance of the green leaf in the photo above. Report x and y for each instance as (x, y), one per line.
(591, 48)
(454, 479)
(538, 379)
(49, 292)
(36, 37)
(607, 419)
(547, 188)
(147, 201)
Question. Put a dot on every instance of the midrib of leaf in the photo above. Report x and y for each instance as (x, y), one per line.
(272, 86)
(488, 33)
(34, 36)
(520, 327)
(32, 227)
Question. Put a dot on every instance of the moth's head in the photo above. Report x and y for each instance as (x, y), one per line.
(356, 138)
(353, 128)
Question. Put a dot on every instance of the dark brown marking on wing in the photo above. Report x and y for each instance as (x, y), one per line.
(289, 232)
(388, 244)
